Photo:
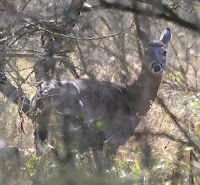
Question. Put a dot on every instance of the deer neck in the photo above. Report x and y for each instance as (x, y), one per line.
(148, 80)
(144, 91)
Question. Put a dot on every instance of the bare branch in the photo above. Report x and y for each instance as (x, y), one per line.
(166, 13)
(11, 92)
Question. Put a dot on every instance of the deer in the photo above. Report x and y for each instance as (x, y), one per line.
(100, 115)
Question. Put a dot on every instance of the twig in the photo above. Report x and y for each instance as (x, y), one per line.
(174, 118)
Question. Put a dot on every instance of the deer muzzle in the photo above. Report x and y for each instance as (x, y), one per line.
(157, 67)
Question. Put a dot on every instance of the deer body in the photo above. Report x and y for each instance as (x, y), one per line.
(101, 112)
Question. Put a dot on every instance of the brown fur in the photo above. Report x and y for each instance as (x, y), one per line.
(100, 113)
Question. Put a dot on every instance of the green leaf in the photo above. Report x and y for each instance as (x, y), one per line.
(197, 128)
(188, 148)
(99, 123)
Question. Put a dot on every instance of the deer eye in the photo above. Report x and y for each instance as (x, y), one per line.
(164, 53)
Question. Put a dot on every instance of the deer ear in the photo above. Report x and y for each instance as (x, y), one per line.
(166, 36)
(143, 36)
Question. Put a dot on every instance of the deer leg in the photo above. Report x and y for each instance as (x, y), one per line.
(109, 152)
(68, 140)
(41, 133)
(104, 157)
(98, 158)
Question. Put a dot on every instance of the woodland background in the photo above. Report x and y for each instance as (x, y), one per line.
(42, 39)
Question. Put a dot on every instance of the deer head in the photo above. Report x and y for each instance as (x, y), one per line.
(155, 51)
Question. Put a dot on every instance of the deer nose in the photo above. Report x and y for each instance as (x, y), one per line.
(156, 67)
